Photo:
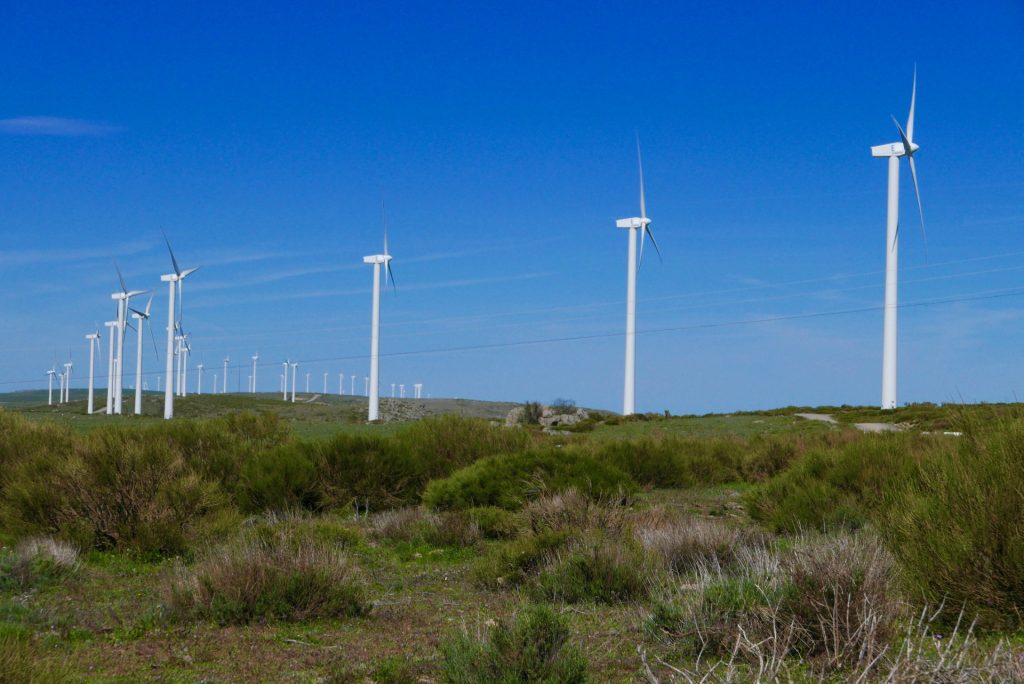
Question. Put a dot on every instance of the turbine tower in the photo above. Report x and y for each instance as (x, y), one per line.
(122, 299)
(49, 397)
(94, 341)
(67, 381)
(284, 381)
(377, 260)
(633, 225)
(110, 325)
(295, 366)
(140, 321)
(225, 386)
(904, 148)
(255, 358)
(199, 379)
(171, 279)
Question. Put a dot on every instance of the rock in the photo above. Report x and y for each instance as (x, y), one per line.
(515, 417)
(552, 418)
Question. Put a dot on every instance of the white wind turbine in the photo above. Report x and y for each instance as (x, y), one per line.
(904, 148)
(94, 342)
(171, 278)
(49, 397)
(377, 260)
(255, 358)
(140, 321)
(225, 388)
(284, 381)
(199, 379)
(325, 384)
(633, 225)
(295, 366)
(67, 380)
(122, 299)
(110, 326)
(307, 383)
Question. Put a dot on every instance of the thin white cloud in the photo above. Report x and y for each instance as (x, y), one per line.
(41, 256)
(55, 126)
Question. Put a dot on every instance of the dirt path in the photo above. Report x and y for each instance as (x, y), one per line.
(863, 427)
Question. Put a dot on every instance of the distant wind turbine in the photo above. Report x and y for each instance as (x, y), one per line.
(377, 260)
(633, 225)
(110, 326)
(122, 299)
(295, 366)
(225, 381)
(67, 381)
(140, 321)
(94, 341)
(199, 374)
(284, 380)
(904, 148)
(255, 358)
(49, 397)
(171, 279)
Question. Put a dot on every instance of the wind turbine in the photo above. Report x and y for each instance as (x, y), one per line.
(904, 148)
(67, 380)
(284, 380)
(110, 325)
(122, 299)
(392, 390)
(186, 349)
(295, 365)
(377, 260)
(325, 383)
(255, 358)
(307, 383)
(633, 225)
(199, 373)
(94, 341)
(140, 317)
(225, 390)
(341, 384)
(171, 278)
(49, 397)
(418, 389)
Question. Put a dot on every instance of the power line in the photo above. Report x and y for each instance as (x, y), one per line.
(977, 296)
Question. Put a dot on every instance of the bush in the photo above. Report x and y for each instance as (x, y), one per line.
(685, 545)
(597, 569)
(443, 444)
(957, 524)
(519, 561)
(495, 523)
(116, 488)
(511, 480)
(416, 526)
(837, 488)
(278, 480)
(675, 461)
(532, 648)
(36, 562)
(268, 578)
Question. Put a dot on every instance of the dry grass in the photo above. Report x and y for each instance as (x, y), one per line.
(686, 544)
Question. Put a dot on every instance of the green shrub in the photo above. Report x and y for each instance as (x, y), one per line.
(268, 578)
(596, 569)
(956, 524)
(36, 563)
(374, 471)
(509, 481)
(280, 479)
(532, 648)
(495, 523)
(443, 444)
(836, 488)
(518, 562)
(115, 489)
(675, 461)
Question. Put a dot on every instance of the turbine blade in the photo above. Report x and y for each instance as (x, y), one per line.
(654, 242)
(910, 117)
(903, 136)
(129, 325)
(920, 211)
(156, 350)
(640, 261)
(640, 165)
(384, 216)
(391, 276)
(149, 304)
(187, 272)
(173, 260)
(124, 288)
(136, 311)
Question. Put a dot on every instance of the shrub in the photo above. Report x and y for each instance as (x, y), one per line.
(495, 523)
(675, 461)
(260, 578)
(533, 411)
(511, 480)
(835, 488)
(372, 470)
(37, 562)
(280, 479)
(684, 545)
(415, 525)
(443, 444)
(532, 648)
(957, 524)
(597, 569)
(115, 489)
(517, 562)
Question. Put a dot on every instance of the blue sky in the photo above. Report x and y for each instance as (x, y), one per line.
(263, 138)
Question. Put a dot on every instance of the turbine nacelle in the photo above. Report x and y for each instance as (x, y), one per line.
(634, 222)
(896, 149)
(377, 259)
